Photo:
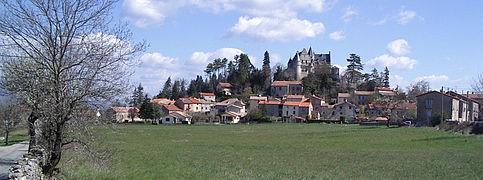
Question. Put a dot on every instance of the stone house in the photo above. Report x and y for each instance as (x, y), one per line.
(124, 114)
(189, 104)
(225, 88)
(282, 88)
(342, 97)
(346, 109)
(430, 103)
(175, 117)
(169, 108)
(479, 100)
(254, 102)
(271, 107)
(362, 97)
(292, 109)
(317, 103)
(472, 107)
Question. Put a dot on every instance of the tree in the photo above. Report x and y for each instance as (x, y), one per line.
(149, 110)
(477, 87)
(418, 88)
(385, 78)
(137, 97)
(175, 92)
(354, 68)
(267, 74)
(166, 92)
(11, 117)
(58, 56)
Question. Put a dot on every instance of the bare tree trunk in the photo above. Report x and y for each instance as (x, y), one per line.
(56, 152)
(6, 133)
(31, 120)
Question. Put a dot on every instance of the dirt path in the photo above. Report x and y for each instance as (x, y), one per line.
(10, 154)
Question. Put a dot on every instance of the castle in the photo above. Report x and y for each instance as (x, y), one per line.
(304, 62)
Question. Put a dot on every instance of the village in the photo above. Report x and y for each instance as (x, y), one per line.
(288, 101)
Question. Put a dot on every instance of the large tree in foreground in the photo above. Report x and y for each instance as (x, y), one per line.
(60, 56)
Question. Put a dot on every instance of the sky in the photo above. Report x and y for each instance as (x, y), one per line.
(436, 41)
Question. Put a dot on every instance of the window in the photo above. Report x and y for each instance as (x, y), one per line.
(429, 103)
(167, 119)
(350, 107)
(293, 112)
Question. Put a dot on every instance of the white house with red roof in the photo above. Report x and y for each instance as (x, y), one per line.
(293, 109)
(230, 117)
(230, 107)
(176, 117)
(225, 88)
(208, 96)
(124, 114)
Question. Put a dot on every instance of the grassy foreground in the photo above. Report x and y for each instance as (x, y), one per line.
(283, 151)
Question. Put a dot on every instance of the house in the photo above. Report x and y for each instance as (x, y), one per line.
(342, 97)
(363, 97)
(230, 117)
(124, 114)
(162, 101)
(282, 88)
(292, 109)
(384, 92)
(225, 88)
(479, 99)
(254, 102)
(346, 109)
(233, 104)
(208, 96)
(206, 106)
(175, 117)
(271, 107)
(294, 98)
(317, 103)
(431, 103)
(189, 104)
(169, 108)
(472, 106)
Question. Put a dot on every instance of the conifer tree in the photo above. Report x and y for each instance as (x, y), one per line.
(166, 92)
(137, 97)
(385, 78)
(267, 74)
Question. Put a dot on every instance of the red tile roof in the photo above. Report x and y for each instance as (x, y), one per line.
(225, 84)
(270, 102)
(383, 89)
(171, 107)
(381, 119)
(207, 94)
(286, 83)
(304, 104)
(291, 103)
(159, 100)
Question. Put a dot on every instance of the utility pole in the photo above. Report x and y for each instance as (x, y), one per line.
(442, 114)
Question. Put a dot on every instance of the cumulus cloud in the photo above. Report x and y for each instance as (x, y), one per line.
(405, 16)
(386, 60)
(434, 78)
(203, 58)
(147, 12)
(349, 13)
(338, 35)
(397, 81)
(398, 47)
(275, 29)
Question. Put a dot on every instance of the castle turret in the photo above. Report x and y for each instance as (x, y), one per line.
(299, 66)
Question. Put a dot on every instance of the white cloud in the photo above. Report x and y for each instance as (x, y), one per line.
(349, 13)
(147, 12)
(203, 58)
(276, 29)
(275, 59)
(401, 62)
(405, 16)
(380, 22)
(397, 81)
(338, 35)
(398, 47)
(434, 78)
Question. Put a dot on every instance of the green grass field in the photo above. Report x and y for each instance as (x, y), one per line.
(283, 151)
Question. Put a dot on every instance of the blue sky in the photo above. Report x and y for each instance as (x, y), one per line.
(438, 41)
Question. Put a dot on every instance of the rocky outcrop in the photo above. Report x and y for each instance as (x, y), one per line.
(28, 167)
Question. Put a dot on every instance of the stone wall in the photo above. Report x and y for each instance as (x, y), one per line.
(28, 167)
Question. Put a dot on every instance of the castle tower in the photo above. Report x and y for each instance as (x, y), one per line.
(298, 67)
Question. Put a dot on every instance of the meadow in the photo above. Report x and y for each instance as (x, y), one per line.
(281, 151)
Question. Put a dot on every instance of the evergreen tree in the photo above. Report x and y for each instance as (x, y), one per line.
(137, 97)
(278, 75)
(149, 110)
(182, 89)
(385, 78)
(166, 92)
(267, 74)
(354, 68)
(175, 92)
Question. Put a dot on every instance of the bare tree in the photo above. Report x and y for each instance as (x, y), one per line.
(11, 117)
(478, 85)
(418, 88)
(59, 56)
